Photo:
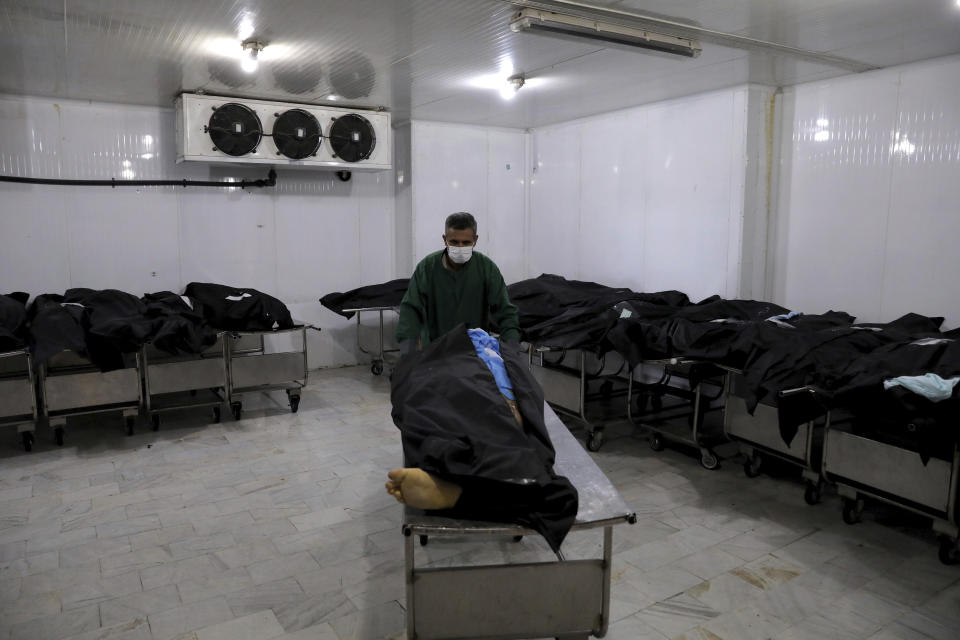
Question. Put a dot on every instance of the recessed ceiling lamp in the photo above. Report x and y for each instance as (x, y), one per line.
(563, 25)
(251, 53)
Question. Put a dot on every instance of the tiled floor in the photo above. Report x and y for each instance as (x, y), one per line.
(277, 526)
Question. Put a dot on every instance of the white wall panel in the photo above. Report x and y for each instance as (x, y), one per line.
(449, 174)
(473, 169)
(649, 198)
(612, 200)
(554, 221)
(867, 215)
(504, 240)
(308, 236)
(146, 260)
(922, 260)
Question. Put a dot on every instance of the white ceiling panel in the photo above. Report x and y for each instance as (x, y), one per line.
(424, 58)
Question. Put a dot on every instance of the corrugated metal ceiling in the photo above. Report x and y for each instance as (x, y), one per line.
(425, 58)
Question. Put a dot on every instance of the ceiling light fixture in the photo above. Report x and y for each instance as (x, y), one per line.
(511, 86)
(251, 53)
(563, 25)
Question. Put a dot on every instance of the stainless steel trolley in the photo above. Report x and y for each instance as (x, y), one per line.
(511, 600)
(18, 398)
(758, 435)
(376, 365)
(566, 377)
(250, 368)
(862, 466)
(183, 381)
(71, 385)
(684, 421)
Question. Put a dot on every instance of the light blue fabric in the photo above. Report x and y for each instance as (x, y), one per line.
(930, 385)
(785, 316)
(488, 348)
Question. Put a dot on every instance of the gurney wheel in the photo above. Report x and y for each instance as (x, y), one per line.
(27, 439)
(656, 442)
(709, 460)
(424, 540)
(130, 423)
(751, 468)
(811, 495)
(237, 409)
(216, 414)
(594, 440)
(851, 514)
(376, 368)
(155, 421)
(294, 403)
(517, 538)
(948, 554)
(58, 436)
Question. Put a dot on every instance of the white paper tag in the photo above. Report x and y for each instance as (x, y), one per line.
(626, 313)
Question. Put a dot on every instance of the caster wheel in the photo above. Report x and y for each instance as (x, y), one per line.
(851, 515)
(237, 409)
(948, 553)
(594, 440)
(376, 368)
(811, 495)
(424, 540)
(656, 442)
(517, 538)
(155, 421)
(130, 424)
(58, 436)
(606, 389)
(27, 439)
(751, 468)
(709, 460)
(216, 414)
(294, 403)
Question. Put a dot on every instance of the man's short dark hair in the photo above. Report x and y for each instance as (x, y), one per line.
(461, 220)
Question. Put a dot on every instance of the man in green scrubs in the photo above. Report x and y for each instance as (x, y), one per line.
(453, 286)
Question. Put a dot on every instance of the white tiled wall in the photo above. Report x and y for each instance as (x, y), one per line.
(649, 198)
(868, 216)
(310, 235)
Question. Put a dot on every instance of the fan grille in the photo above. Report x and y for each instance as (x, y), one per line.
(235, 129)
(297, 134)
(352, 138)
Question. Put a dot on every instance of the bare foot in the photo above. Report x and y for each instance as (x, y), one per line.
(420, 490)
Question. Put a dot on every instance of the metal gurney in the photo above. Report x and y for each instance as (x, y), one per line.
(516, 600)
(376, 365)
(18, 404)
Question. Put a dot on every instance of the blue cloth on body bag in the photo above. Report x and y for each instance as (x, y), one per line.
(488, 348)
(930, 385)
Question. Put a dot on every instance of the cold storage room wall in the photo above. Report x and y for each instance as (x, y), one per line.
(869, 208)
(650, 198)
(474, 169)
(309, 235)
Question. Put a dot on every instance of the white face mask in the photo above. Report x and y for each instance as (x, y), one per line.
(459, 255)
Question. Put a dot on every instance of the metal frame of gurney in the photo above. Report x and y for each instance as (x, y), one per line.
(18, 399)
(250, 368)
(681, 422)
(184, 381)
(565, 598)
(566, 386)
(71, 385)
(759, 434)
(376, 365)
(863, 466)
